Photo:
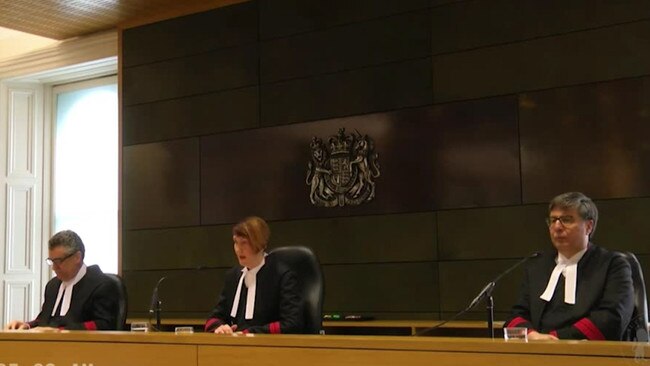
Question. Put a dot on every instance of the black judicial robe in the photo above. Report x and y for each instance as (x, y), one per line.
(278, 303)
(604, 298)
(93, 306)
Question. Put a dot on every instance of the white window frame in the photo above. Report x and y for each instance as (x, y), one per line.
(55, 90)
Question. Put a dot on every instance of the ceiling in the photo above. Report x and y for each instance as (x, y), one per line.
(63, 19)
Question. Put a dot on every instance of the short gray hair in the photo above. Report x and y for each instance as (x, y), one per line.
(584, 205)
(69, 240)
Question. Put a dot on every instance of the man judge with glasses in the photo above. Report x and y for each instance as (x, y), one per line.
(579, 290)
(79, 297)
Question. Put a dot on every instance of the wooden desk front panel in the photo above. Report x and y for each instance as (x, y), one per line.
(131, 349)
(52, 353)
(272, 356)
(98, 354)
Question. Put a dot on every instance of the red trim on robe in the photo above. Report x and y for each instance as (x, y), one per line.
(274, 328)
(209, 322)
(516, 321)
(90, 325)
(553, 333)
(245, 331)
(589, 329)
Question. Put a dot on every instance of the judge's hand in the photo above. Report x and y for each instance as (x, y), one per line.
(536, 336)
(226, 329)
(17, 324)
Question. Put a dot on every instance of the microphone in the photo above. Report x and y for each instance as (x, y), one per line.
(155, 309)
(486, 293)
(487, 290)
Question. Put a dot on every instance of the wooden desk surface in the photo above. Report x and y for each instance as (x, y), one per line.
(355, 323)
(333, 323)
(409, 327)
(126, 349)
(409, 323)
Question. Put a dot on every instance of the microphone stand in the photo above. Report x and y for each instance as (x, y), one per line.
(490, 312)
(486, 293)
(156, 303)
(158, 311)
(155, 309)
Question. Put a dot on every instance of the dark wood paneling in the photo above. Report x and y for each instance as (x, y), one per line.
(379, 88)
(592, 138)
(431, 158)
(160, 185)
(473, 24)
(383, 238)
(461, 281)
(575, 58)
(285, 17)
(476, 163)
(504, 232)
(224, 27)
(621, 225)
(434, 3)
(182, 291)
(224, 69)
(178, 248)
(347, 47)
(191, 116)
(381, 288)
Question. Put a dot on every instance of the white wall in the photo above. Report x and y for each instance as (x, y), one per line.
(13, 43)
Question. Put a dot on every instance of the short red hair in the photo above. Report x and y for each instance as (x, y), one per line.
(256, 230)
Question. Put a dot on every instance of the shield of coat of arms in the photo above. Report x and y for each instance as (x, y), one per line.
(343, 170)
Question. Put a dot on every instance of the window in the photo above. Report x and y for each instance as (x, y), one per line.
(85, 167)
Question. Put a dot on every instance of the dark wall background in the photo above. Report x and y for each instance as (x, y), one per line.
(481, 111)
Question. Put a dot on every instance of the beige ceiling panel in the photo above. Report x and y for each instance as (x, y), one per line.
(63, 19)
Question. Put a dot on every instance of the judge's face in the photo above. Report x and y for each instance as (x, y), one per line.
(246, 254)
(569, 232)
(66, 265)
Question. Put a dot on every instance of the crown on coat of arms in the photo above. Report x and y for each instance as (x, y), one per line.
(340, 143)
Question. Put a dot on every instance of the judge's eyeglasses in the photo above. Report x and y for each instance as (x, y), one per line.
(58, 261)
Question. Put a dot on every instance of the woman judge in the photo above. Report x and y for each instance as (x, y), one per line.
(260, 295)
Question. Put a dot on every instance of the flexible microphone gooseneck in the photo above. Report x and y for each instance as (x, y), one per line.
(155, 307)
(486, 293)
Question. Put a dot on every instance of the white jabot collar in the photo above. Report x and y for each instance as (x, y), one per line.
(250, 276)
(65, 291)
(569, 268)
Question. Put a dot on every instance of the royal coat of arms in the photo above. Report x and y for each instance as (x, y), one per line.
(342, 172)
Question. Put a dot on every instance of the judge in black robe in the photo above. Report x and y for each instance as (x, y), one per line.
(277, 301)
(79, 297)
(579, 291)
(261, 295)
(603, 305)
(94, 304)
